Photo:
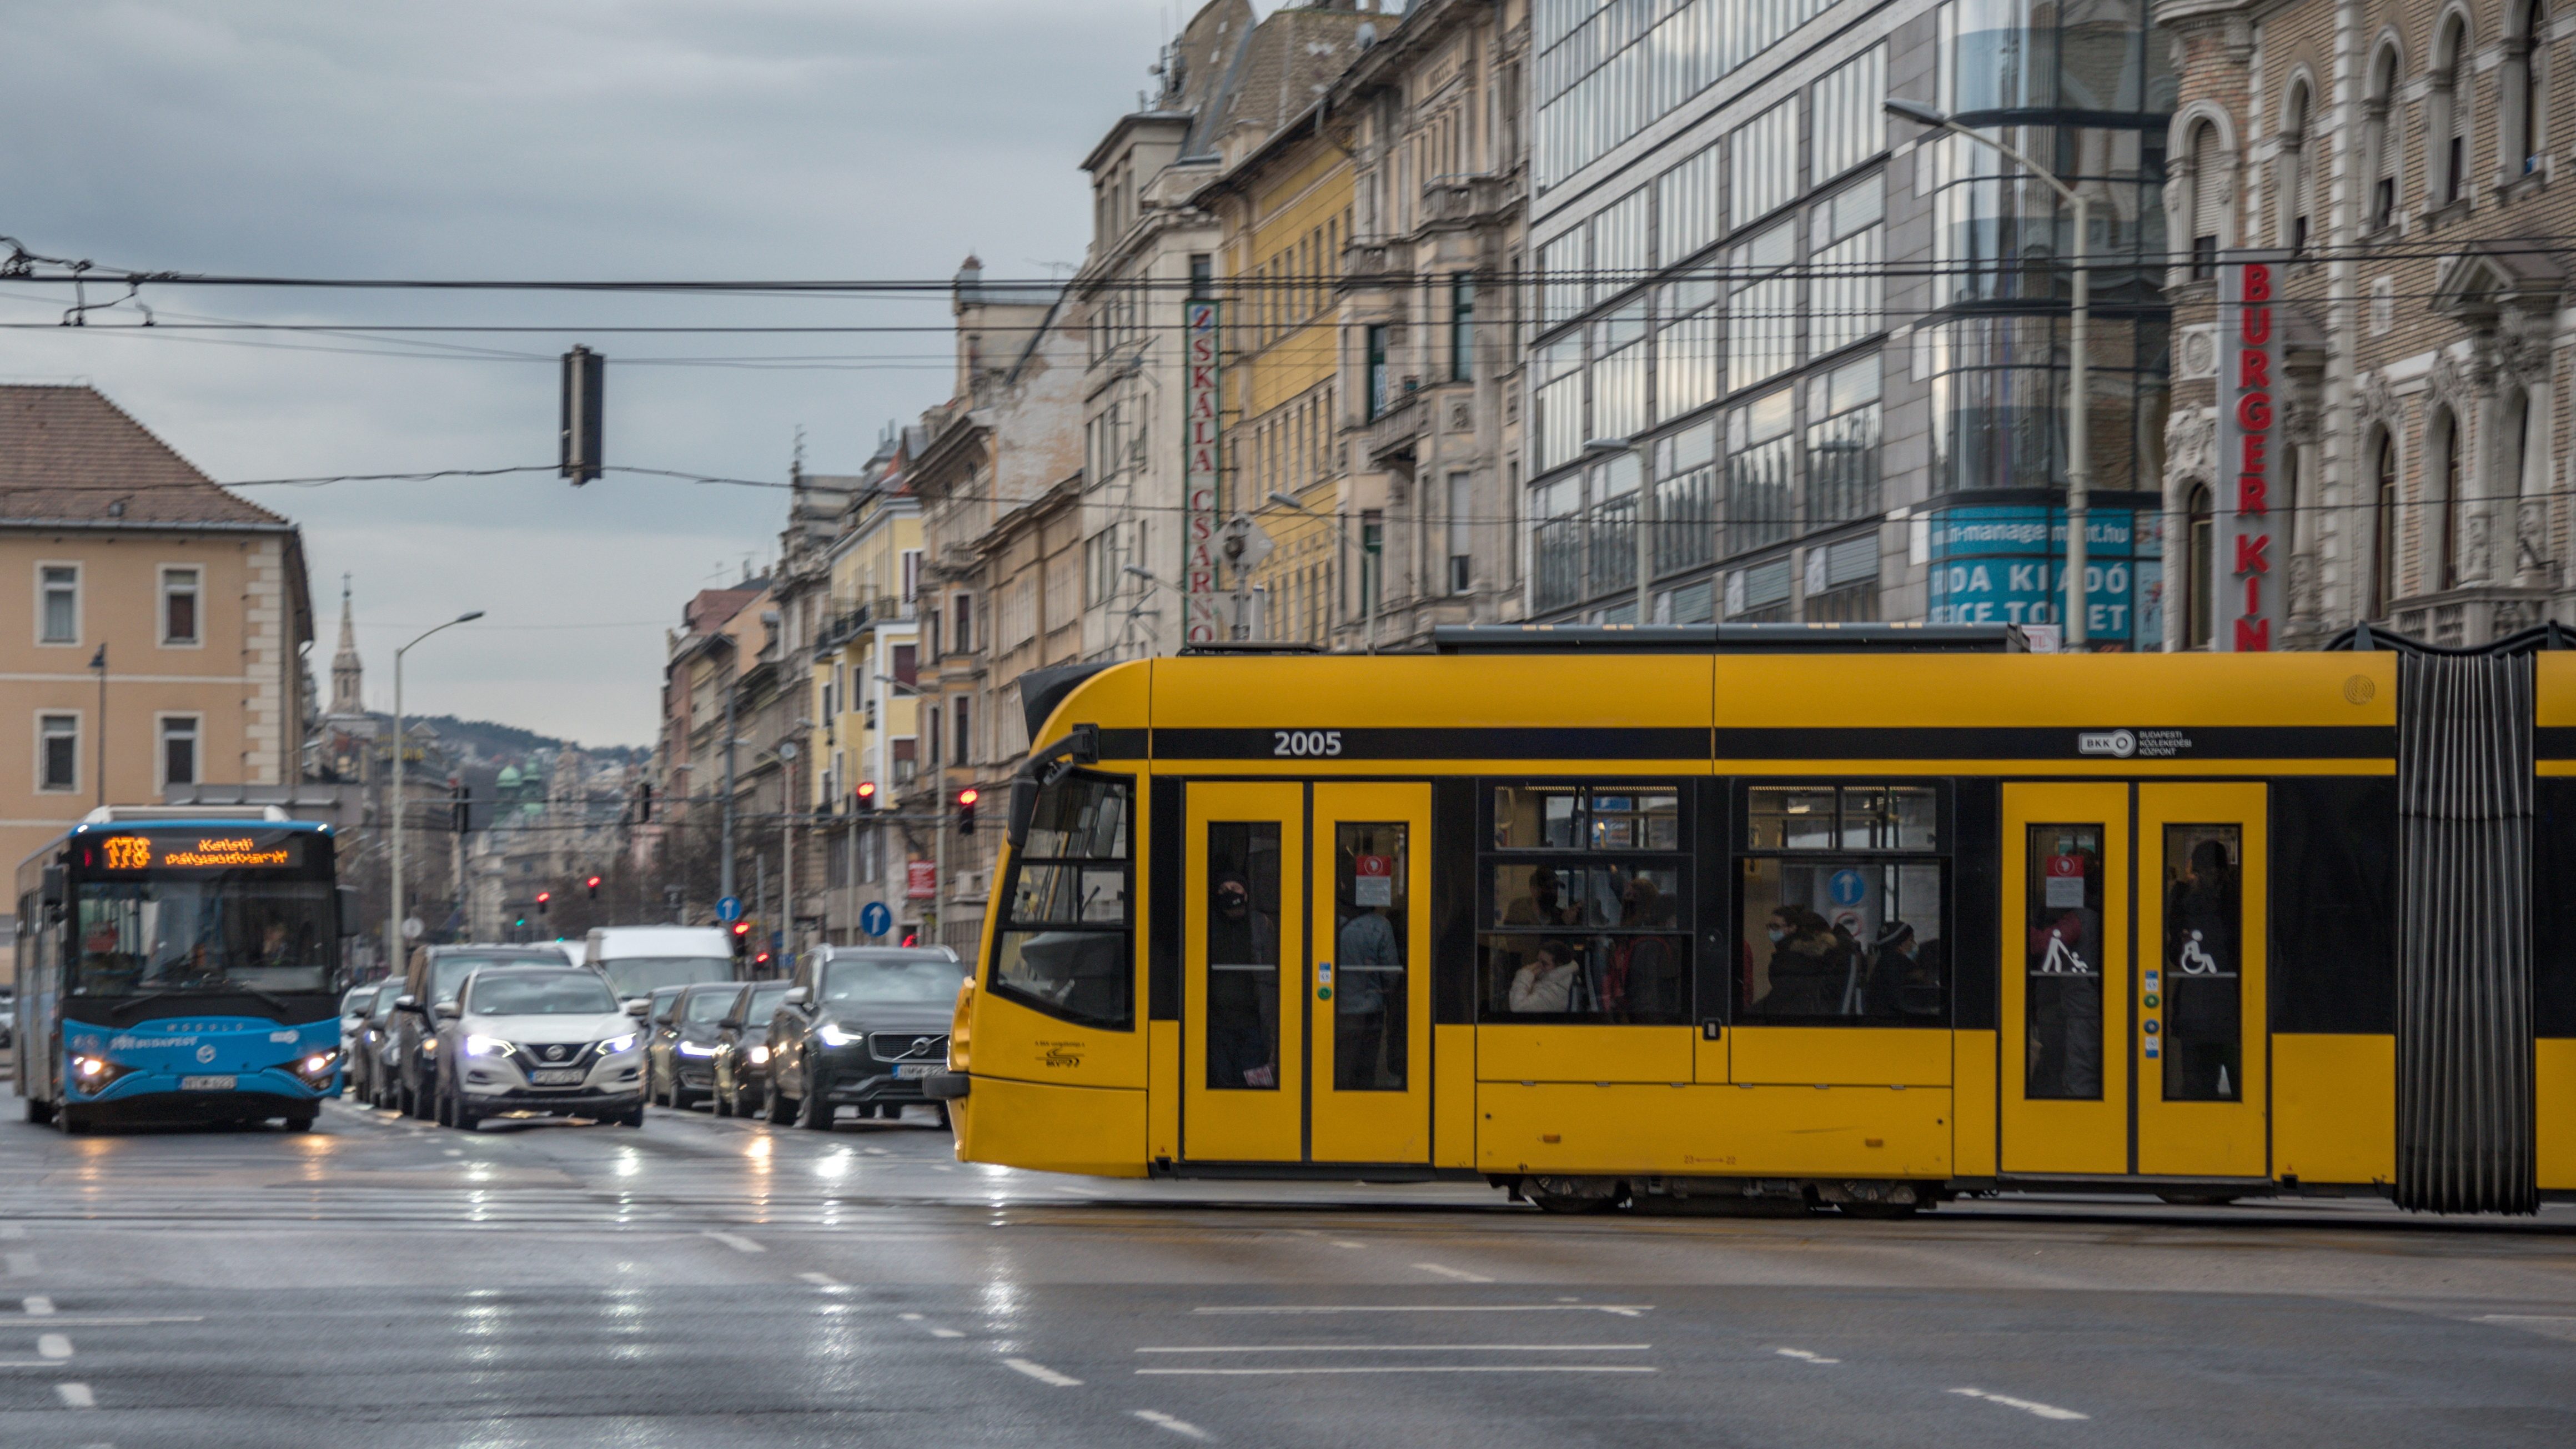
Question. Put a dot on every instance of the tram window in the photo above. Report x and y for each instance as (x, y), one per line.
(1242, 947)
(1571, 817)
(1831, 941)
(1372, 912)
(2203, 990)
(2062, 996)
(1853, 817)
(1604, 944)
(1064, 946)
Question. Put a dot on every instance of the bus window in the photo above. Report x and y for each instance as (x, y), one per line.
(1585, 914)
(1841, 908)
(205, 932)
(2063, 1002)
(1243, 957)
(2204, 921)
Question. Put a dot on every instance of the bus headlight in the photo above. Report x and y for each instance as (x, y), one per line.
(89, 1069)
(320, 1065)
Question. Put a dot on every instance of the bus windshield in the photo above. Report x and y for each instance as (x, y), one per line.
(633, 976)
(214, 932)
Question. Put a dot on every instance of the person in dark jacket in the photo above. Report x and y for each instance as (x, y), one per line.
(1243, 998)
(1808, 967)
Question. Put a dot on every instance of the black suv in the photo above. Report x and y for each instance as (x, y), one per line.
(435, 974)
(680, 1054)
(861, 1026)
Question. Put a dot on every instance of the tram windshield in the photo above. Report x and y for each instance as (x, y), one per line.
(205, 933)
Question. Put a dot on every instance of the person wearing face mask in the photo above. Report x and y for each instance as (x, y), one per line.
(1807, 965)
(1243, 989)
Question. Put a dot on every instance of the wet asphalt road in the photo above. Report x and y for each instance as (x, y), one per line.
(707, 1282)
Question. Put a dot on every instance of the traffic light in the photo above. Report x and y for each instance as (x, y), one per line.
(584, 380)
(593, 883)
(966, 799)
(544, 899)
(865, 794)
(741, 939)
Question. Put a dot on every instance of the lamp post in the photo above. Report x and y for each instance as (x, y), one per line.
(1343, 533)
(1645, 516)
(394, 920)
(2079, 463)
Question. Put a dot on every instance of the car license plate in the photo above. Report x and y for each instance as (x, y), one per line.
(208, 1084)
(918, 1069)
(556, 1079)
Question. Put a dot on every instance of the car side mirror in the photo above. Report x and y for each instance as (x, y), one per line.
(447, 1011)
(796, 996)
(407, 1003)
(638, 1008)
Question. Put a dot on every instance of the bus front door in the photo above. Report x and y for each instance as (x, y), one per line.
(1369, 1001)
(2133, 1047)
(1243, 972)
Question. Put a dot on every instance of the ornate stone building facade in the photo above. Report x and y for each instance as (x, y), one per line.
(2406, 158)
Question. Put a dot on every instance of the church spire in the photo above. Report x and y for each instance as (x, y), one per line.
(347, 669)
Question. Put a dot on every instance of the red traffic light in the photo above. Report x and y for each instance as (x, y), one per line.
(593, 882)
(867, 790)
(969, 795)
(742, 928)
(544, 896)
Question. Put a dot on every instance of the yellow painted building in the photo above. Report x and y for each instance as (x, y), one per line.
(866, 663)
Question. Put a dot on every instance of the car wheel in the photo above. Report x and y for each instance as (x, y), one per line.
(299, 1124)
(718, 1103)
(814, 1110)
(443, 1110)
(635, 1118)
(776, 1106)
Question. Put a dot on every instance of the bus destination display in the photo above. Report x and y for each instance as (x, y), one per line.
(229, 850)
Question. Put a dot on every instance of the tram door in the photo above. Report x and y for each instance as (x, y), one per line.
(1369, 1002)
(1243, 966)
(2154, 1065)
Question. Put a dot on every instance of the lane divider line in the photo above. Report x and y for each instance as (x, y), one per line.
(1043, 1374)
(946, 1333)
(1803, 1356)
(736, 1241)
(38, 1306)
(76, 1396)
(822, 1280)
(1624, 1310)
(1161, 1420)
(1411, 1368)
(54, 1346)
(909, 1317)
(2027, 1406)
(1418, 1348)
(1461, 1274)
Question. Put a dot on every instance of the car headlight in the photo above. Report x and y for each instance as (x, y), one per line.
(616, 1044)
(695, 1049)
(760, 1056)
(833, 1034)
(428, 1044)
(486, 1046)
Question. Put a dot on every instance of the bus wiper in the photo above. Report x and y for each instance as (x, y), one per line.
(125, 1005)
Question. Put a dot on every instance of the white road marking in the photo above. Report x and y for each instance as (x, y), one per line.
(946, 1333)
(85, 1321)
(76, 1396)
(1461, 1274)
(456, 1152)
(736, 1241)
(1426, 1368)
(1417, 1348)
(1339, 1243)
(909, 1317)
(1624, 1310)
(1804, 1356)
(1043, 1374)
(38, 1307)
(54, 1346)
(2526, 1318)
(1161, 1420)
(822, 1280)
(2027, 1406)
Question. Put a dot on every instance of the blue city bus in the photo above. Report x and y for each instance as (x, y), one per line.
(179, 969)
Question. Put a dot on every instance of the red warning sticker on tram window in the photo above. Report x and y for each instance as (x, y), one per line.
(1373, 865)
(1372, 880)
(2065, 881)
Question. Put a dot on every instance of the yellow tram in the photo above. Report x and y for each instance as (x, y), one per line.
(1869, 916)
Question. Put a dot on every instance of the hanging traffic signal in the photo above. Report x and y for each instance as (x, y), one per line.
(593, 883)
(584, 378)
(544, 899)
(865, 794)
(966, 799)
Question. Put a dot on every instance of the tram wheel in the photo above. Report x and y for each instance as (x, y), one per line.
(1549, 1202)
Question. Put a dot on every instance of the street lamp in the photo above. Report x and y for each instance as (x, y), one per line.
(393, 922)
(1342, 532)
(1645, 513)
(2079, 464)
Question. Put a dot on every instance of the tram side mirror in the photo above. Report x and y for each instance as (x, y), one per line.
(55, 890)
(348, 911)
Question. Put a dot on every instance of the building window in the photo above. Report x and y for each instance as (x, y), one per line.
(1847, 281)
(1762, 313)
(1462, 328)
(1764, 153)
(1586, 905)
(1688, 209)
(963, 641)
(1686, 346)
(911, 579)
(179, 606)
(1462, 507)
(1759, 594)
(2445, 513)
(58, 608)
(2383, 525)
(1565, 288)
(1620, 244)
(2208, 199)
(965, 730)
(2200, 582)
(2382, 156)
(1850, 125)
(2529, 90)
(907, 666)
(178, 750)
(1842, 581)
(1556, 381)
(1761, 472)
(1842, 443)
(1841, 920)
(2452, 113)
(1686, 501)
(1619, 373)
(930, 732)
(1375, 341)
(58, 752)
(2297, 186)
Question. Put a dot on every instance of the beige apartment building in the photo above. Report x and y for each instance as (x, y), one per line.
(150, 622)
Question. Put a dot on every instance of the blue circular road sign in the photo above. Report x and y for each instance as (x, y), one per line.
(729, 910)
(1847, 887)
(875, 919)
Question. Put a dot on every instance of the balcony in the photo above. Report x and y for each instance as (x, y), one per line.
(1453, 201)
(850, 622)
(2476, 615)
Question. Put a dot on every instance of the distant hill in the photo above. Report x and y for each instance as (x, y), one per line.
(494, 740)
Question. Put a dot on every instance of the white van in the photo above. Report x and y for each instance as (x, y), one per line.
(636, 959)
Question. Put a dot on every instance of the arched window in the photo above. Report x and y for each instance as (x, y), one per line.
(2451, 114)
(2381, 156)
(2208, 199)
(2200, 582)
(2383, 525)
(2526, 87)
(2297, 189)
(2442, 549)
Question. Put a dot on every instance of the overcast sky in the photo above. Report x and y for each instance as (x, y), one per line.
(570, 138)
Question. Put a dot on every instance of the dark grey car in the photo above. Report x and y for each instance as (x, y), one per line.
(861, 1026)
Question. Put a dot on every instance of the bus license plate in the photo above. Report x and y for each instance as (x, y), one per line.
(208, 1084)
(556, 1079)
(911, 1070)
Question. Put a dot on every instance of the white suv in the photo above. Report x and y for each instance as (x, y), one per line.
(528, 1039)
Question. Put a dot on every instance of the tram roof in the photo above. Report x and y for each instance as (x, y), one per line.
(1730, 639)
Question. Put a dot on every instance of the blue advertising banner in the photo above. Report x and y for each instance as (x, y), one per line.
(2007, 566)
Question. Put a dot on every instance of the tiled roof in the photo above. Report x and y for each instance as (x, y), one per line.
(68, 455)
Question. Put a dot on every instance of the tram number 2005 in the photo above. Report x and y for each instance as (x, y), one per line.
(1305, 743)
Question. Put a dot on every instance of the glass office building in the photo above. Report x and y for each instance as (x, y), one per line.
(1840, 365)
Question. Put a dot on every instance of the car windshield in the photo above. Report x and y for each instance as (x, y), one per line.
(764, 1004)
(214, 932)
(357, 1001)
(641, 975)
(446, 973)
(892, 981)
(541, 993)
(706, 1007)
(386, 996)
